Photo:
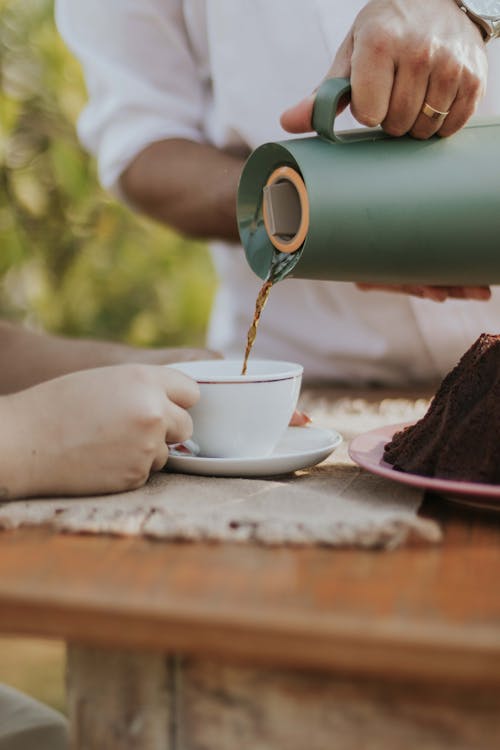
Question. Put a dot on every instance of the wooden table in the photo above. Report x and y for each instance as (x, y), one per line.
(227, 647)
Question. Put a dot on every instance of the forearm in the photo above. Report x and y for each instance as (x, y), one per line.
(189, 186)
(29, 358)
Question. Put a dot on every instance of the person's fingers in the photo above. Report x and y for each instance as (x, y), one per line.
(299, 419)
(440, 293)
(481, 293)
(161, 457)
(372, 79)
(341, 67)
(435, 293)
(180, 389)
(440, 97)
(465, 104)
(298, 119)
(179, 425)
(408, 93)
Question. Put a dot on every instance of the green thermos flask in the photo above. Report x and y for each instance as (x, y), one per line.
(363, 206)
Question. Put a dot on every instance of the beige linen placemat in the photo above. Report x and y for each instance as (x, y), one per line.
(333, 504)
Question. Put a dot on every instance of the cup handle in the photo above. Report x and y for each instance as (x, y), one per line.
(325, 107)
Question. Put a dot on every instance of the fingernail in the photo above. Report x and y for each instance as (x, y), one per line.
(478, 294)
(306, 419)
(435, 295)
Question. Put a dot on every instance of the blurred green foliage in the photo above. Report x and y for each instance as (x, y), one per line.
(72, 260)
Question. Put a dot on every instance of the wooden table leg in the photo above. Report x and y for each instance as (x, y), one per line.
(136, 701)
(222, 707)
(119, 700)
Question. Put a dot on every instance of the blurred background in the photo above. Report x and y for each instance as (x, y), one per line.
(73, 261)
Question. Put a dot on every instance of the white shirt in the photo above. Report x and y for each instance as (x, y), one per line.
(222, 71)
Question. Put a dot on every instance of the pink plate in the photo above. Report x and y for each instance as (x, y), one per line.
(367, 451)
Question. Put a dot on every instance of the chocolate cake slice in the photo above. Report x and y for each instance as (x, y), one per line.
(459, 436)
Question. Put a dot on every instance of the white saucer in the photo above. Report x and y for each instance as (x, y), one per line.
(300, 448)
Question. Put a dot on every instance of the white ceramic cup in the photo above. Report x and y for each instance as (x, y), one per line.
(242, 416)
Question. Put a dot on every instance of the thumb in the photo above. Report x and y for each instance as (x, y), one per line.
(298, 119)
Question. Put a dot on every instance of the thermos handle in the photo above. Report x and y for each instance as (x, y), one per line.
(325, 107)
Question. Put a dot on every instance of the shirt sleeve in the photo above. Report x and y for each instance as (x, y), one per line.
(142, 79)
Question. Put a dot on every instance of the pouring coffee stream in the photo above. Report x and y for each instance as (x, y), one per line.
(252, 331)
(262, 297)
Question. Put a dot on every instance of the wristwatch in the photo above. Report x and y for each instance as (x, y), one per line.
(485, 14)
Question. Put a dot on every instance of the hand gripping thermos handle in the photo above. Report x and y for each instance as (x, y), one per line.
(326, 104)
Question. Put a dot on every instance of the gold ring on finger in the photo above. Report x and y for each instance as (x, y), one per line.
(434, 114)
